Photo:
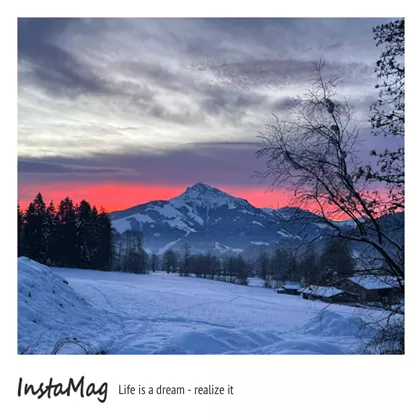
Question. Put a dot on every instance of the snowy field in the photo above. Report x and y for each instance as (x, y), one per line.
(120, 313)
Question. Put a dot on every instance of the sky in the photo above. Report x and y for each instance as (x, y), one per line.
(123, 111)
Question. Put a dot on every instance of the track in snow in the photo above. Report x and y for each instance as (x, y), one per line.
(160, 313)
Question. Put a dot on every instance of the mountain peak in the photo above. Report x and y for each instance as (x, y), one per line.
(203, 195)
(200, 186)
(200, 189)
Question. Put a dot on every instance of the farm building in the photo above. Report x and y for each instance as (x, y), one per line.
(289, 289)
(373, 288)
(327, 294)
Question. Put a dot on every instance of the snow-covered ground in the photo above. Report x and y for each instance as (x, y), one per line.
(122, 313)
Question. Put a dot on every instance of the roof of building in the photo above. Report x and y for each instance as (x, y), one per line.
(375, 282)
(322, 291)
(291, 286)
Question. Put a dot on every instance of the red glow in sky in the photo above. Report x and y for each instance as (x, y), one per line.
(115, 196)
(121, 196)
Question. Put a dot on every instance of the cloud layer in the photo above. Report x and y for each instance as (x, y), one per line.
(170, 101)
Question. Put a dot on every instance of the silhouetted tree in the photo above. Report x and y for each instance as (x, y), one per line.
(336, 261)
(85, 235)
(51, 223)
(263, 265)
(241, 270)
(20, 232)
(170, 261)
(67, 234)
(70, 236)
(388, 116)
(154, 262)
(276, 266)
(103, 241)
(310, 268)
(132, 257)
(214, 265)
(313, 153)
(184, 266)
(35, 233)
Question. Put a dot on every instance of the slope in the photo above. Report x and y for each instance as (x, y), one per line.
(165, 314)
(50, 312)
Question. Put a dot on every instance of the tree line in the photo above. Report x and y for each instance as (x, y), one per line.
(232, 269)
(68, 236)
(78, 236)
(333, 261)
(81, 237)
(321, 267)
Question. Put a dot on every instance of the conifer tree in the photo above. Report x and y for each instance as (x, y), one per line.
(85, 228)
(103, 245)
(51, 228)
(20, 231)
(67, 234)
(70, 236)
(35, 233)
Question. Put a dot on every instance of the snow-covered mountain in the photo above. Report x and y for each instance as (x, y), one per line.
(211, 220)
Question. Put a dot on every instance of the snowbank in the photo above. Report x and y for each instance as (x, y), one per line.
(331, 324)
(122, 313)
(49, 310)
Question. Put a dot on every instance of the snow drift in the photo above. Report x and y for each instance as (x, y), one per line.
(50, 311)
(122, 313)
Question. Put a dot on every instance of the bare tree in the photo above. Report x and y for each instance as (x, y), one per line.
(184, 267)
(170, 261)
(154, 262)
(313, 153)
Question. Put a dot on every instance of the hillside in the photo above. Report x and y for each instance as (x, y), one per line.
(123, 313)
(210, 219)
(50, 310)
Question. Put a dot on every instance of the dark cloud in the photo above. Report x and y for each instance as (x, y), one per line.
(218, 101)
(51, 67)
(35, 31)
(210, 162)
(283, 104)
(140, 85)
(59, 72)
(42, 167)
